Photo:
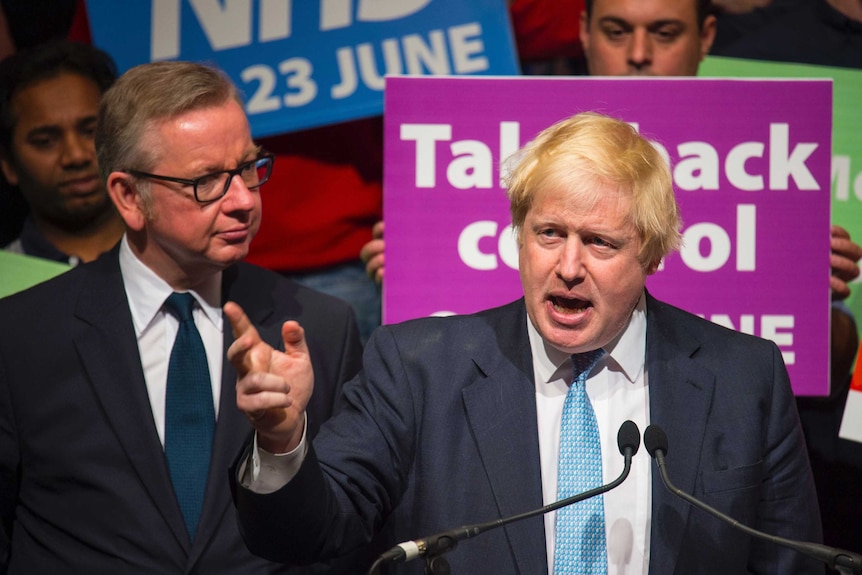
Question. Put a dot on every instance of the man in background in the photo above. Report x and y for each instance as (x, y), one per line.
(49, 99)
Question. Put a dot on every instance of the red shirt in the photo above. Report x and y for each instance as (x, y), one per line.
(324, 197)
(547, 29)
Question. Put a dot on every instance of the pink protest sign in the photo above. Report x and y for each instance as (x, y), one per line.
(751, 167)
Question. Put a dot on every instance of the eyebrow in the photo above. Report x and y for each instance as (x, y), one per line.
(54, 129)
(251, 154)
(651, 25)
(49, 130)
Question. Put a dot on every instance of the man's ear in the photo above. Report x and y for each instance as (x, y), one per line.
(127, 199)
(652, 267)
(707, 35)
(9, 171)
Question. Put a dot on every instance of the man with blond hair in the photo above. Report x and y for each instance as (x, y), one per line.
(472, 418)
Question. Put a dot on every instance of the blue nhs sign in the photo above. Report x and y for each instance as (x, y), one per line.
(306, 63)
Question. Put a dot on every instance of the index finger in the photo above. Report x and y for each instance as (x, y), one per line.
(239, 322)
(247, 352)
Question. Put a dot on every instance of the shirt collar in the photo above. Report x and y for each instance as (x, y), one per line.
(147, 292)
(35, 244)
(627, 350)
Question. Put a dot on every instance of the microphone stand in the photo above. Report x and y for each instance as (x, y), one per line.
(436, 563)
(845, 562)
(433, 548)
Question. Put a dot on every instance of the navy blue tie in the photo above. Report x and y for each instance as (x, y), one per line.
(189, 413)
(580, 544)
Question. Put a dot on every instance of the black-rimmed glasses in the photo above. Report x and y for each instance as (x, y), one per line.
(211, 187)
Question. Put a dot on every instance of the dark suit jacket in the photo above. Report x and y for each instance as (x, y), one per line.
(84, 485)
(440, 431)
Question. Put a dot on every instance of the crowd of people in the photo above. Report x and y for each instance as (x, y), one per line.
(122, 409)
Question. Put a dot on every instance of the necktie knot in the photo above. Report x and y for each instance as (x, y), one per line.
(180, 305)
(583, 364)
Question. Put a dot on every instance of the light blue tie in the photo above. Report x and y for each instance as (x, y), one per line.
(580, 544)
(189, 413)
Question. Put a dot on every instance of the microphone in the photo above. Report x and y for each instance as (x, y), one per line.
(628, 442)
(655, 442)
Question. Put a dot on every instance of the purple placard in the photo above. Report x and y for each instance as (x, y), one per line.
(751, 161)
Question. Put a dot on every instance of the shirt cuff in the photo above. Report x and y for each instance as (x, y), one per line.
(269, 472)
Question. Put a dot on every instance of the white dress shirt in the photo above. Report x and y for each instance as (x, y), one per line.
(617, 388)
(156, 328)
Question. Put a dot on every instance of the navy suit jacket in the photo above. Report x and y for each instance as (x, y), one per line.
(440, 431)
(84, 484)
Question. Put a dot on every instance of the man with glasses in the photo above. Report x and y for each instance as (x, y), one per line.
(118, 417)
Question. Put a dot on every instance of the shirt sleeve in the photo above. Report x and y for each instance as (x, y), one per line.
(269, 472)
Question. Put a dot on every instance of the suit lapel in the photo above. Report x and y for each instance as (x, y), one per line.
(680, 393)
(501, 409)
(106, 342)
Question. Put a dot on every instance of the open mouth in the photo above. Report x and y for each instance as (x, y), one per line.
(569, 305)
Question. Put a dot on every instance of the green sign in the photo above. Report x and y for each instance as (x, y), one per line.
(18, 272)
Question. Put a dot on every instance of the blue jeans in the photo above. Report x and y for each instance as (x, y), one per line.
(350, 283)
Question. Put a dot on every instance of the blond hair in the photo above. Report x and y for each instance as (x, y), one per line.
(580, 151)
